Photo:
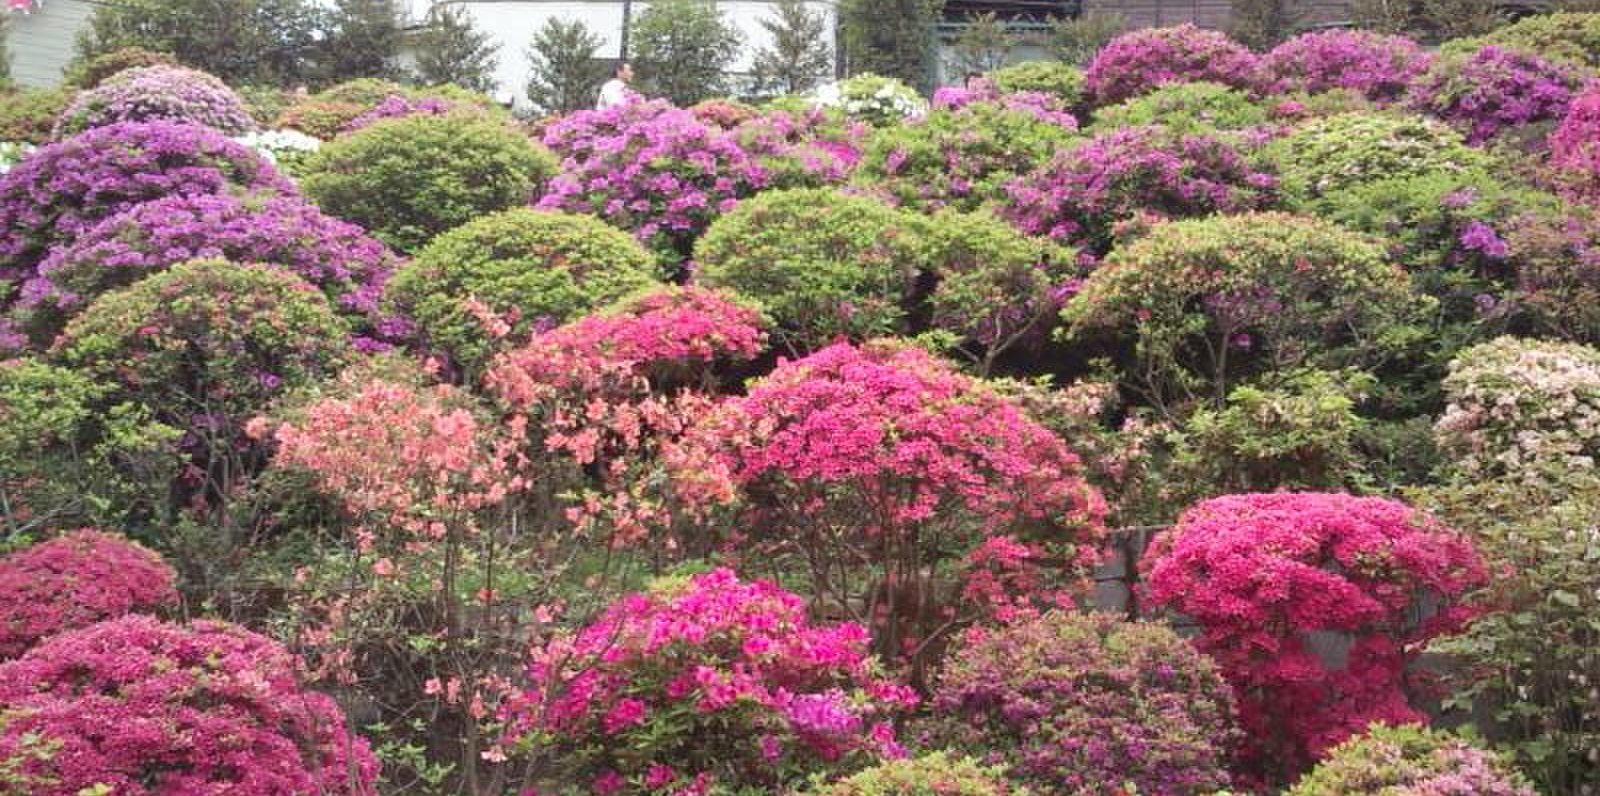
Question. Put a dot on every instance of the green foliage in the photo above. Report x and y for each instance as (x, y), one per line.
(408, 179)
(1264, 24)
(931, 774)
(1570, 37)
(86, 73)
(1056, 78)
(821, 262)
(564, 74)
(1409, 759)
(799, 56)
(1185, 109)
(1339, 152)
(240, 41)
(983, 45)
(265, 103)
(450, 51)
(531, 267)
(1075, 40)
(5, 58)
(889, 37)
(363, 40)
(30, 115)
(682, 48)
(1428, 20)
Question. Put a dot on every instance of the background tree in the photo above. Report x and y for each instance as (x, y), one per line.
(1076, 39)
(799, 54)
(5, 58)
(983, 45)
(1264, 24)
(889, 37)
(451, 50)
(363, 39)
(240, 41)
(1428, 20)
(565, 75)
(682, 49)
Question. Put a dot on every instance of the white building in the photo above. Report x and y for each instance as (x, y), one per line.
(41, 38)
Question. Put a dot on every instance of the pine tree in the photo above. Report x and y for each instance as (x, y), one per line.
(682, 49)
(983, 46)
(450, 50)
(566, 76)
(893, 38)
(364, 40)
(1075, 40)
(1263, 24)
(799, 55)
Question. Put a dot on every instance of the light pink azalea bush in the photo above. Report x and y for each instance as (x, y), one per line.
(1140, 60)
(1410, 760)
(156, 93)
(75, 580)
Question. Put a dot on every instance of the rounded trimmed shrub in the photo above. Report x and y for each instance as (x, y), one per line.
(1338, 152)
(29, 115)
(1056, 78)
(531, 267)
(1377, 66)
(1082, 705)
(877, 100)
(1185, 109)
(807, 148)
(138, 707)
(152, 93)
(408, 179)
(1556, 256)
(94, 71)
(1410, 759)
(706, 681)
(326, 112)
(1575, 147)
(75, 580)
(63, 189)
(1138, 61)
(1561, 36)
(1495, 89)
(823, 263)
(931, 774)
(960, 158)
(725, 114)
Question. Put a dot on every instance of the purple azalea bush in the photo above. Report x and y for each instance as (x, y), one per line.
(1495, 89)
(1038, 104)
(1138, 61)
(1374, 65)
(396, 105)
(152, 93)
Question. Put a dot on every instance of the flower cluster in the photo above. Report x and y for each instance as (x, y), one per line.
(1382, 68)
(76, 580)
(1041, 105)
(395, 106)
(1412, 761)
(286, 149)
(1136, 62)
(804, 148)
(649, 168)
(876, 100)
(1076, 704)
(1263, 573)
(705, 682)
(138, 707)
(1575, 146)
(1083, 193)
(1495, 89)
(153, 93)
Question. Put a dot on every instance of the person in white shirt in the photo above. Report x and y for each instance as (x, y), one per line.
(615, 91)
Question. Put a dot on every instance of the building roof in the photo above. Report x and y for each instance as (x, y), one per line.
(1029, 10)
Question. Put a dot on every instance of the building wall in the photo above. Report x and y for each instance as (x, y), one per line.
(1205, 13)
(41, 42)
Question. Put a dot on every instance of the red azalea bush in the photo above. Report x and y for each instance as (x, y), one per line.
(705, 682)
(925, 491)
(1575, 147)
(1140, 60)
(138, 707)
(1377, 66)
(1495, 89)
(1262, 573)
(151, 93)
(1087, 704)
(75, 580)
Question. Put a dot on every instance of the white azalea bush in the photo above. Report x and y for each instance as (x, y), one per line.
(873, 99)
(285, 148)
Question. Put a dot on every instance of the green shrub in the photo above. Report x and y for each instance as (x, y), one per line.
(932, 774)
(1057, 78)
(408, 179)
(1186, 109)
(87, 74)
(30, 114)
(1570, 37)
(1410, 759)
(821, 262)
(529, 266)
(1339, 152)
(1216, 299)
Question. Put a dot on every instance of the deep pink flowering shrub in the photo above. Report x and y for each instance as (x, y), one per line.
(809, 148)
(154, 93)
(283, 231)
(908, 478)
(1377, 66)
(1086, 704)
(1494, 89)
(1575, 147)
(1262, 573)
(63, 189)
(76, 580)
(1411, 761)
(1041, 105)
(140, 707)
(1083, 193)
(649, 168)
(1140, 60)
(705, 682)
(396, 105)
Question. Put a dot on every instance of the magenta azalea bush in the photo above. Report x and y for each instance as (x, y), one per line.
(76, 580)
(63, 189)
(1575, 147)
(157, 93)
(138, 707)
(1494, 89)
(1413, 761)
(705, 682)
(1138, 61)
(1263, 573)
(1044, 106)
(1087, 705)
(1083, 193)
(649, 168)
(1377, 66)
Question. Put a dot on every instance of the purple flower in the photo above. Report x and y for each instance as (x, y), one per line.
(1480, 237)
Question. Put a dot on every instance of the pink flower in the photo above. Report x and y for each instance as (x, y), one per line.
(626, 713)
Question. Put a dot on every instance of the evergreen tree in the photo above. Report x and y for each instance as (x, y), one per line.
(889, 37)
(5, 58)
(983, 46)
(1076, 40)
(799, 55)
(240, 41)
(682, 49)
(565, 74)
(1263, 24)
(450, 50)
(363, 40)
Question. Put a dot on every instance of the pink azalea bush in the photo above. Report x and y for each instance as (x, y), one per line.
(152, 93)
(1575, 146)
(138, 707)
(1494, 89)
(649, 168)
(1083, 193)
(73, 581)
(1085, 705)
(1042, 106)
(395, 106)
(1377, 66)
(701, 683)
(1140, 60)
(812, 147)
(1410, 760)
(1262, 573)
